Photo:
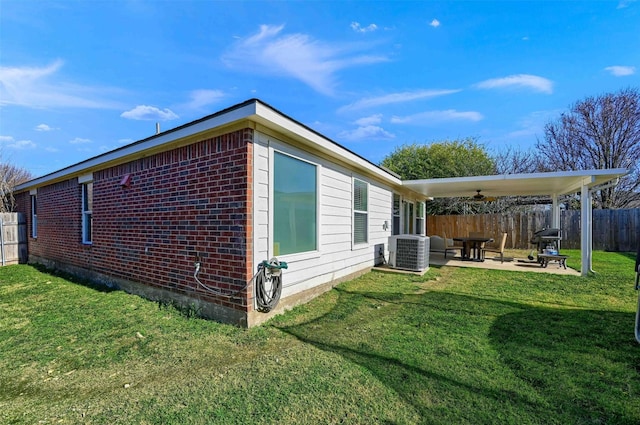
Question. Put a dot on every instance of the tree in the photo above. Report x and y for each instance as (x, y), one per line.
(596, 133)
(10, 177)
(450, 158)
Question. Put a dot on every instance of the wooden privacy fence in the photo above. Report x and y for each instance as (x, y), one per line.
(613, 230)
(13, 239)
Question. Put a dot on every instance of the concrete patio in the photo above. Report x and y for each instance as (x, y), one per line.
(511, 263)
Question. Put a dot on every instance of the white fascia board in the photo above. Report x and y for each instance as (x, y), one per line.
(559, 183)
(150, 143)
(274, 120)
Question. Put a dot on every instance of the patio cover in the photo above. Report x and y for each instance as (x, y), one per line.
(551, 184)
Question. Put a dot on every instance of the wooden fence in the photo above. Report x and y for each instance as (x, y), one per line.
(613, 230)
(13, 239)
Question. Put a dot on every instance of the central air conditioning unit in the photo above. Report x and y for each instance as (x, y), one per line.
(409, 252)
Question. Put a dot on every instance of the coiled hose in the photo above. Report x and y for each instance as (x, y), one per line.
(269, 284)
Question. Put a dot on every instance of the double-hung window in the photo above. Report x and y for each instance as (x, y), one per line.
(295, 205)
(360, 212)
(34, 216)
(420, 219)
(395, 225)
(87, 207)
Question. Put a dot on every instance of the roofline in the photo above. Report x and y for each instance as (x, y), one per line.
(253, 109)
(551, 174)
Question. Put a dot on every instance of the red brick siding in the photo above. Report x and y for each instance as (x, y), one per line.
(188, 204)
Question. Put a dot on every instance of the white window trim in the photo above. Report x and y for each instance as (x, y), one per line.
(297, 256)
(359, 245)
(85, 215)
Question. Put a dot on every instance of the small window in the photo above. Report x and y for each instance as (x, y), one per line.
(34, 216)
(395, 225)
(87, 207)
(420, 230)
(360, 212)
(295, 205)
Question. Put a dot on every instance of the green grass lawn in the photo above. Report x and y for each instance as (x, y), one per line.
(456, 346)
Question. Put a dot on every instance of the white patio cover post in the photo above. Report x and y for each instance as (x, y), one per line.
(555, 214)
(586, 230)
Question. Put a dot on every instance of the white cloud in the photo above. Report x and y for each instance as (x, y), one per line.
(369, 132)
(396, 98)
(621, 71)
(434, 23)
(203, 97)
(371, 120)
(44, 127)
(42, 88)
(80, 141)
(149, 113)
(431, 117)
(298, 56)
(10, 142)
(357, 28)
(534, 82)
(51, 149)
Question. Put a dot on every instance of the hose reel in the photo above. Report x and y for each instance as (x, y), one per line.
(269, 284)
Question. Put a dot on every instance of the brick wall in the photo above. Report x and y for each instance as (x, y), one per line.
(188, 204)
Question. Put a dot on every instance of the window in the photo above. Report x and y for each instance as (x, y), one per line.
(87, 206)
(408, 217)
(34, 216)
(395, 225)
(420, 230)
(360, 212)
(295, 205)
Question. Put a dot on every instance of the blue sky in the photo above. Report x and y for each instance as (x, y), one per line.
(80, 78)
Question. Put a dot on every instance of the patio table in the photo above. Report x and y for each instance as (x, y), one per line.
(472, 243)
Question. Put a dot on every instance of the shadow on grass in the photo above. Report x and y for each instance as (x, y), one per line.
(570, 366)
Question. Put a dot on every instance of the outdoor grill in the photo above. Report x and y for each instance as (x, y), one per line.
(546, 238)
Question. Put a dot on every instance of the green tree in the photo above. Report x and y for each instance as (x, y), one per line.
(449, 158)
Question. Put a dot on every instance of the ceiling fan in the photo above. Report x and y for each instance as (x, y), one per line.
(478, 197)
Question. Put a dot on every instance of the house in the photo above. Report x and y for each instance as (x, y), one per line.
(187, 215)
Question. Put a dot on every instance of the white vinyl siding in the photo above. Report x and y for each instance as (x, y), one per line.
(336, 255)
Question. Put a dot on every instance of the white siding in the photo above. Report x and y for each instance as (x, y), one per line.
(336, 256)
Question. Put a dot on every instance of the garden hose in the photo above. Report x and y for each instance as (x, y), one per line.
(269, 284)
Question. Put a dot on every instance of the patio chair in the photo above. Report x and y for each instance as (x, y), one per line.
(450, 246)
(497, 248)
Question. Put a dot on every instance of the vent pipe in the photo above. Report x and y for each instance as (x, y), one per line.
(157, 128)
